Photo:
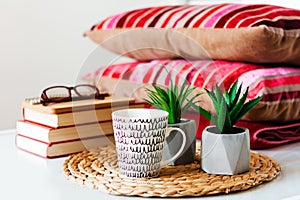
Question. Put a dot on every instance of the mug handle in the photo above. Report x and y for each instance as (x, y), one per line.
(169, 130)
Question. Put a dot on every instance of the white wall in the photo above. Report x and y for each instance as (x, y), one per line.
(41, 44)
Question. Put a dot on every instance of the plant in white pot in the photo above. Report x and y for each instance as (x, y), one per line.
(174, 100)
(225, 148)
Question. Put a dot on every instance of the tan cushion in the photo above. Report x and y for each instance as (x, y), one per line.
(235, 32)
(257, 44)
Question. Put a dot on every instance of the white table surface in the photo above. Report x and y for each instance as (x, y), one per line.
(24, 176)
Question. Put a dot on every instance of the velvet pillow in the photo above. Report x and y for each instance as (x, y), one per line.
(278, 84)
(237, 32)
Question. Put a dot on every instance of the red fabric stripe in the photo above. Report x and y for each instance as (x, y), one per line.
(155, 20)
(286, 95)
(118, 71)
(180, 73)
(162, 67)
(270, 16)
(100, 25)
(121, 22)
(222, 21)
(209, 75)
(147, 76)
(192, 73)
(243, 68)
(200, 21)
(171, 67)
(223, 69)
(146, 18)
(182, 17)
(129, 70)
(232, 23)
(107, 70)
(199, 81)
(132, 19)
(172, 14)
(275, 82)
(204, 8)
(114, 70)
(285, 24)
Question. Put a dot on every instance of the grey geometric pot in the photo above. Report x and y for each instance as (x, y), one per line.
(174, 142)
(225, 154)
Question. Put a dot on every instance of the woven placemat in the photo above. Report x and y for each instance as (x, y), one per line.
(98, 169)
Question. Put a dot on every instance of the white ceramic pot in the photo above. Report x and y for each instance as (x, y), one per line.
(225, 154)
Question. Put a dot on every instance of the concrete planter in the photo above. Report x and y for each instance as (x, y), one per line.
(174, 142)
(225, 154)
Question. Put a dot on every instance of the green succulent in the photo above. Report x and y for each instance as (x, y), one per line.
(171, 99)
(229, 107)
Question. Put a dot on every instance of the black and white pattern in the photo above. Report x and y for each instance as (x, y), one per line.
(140, 141)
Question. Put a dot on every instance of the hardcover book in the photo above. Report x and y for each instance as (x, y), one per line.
(81, 105)
(60, 129)
(50, 134)
(59, 149)
(76, 112)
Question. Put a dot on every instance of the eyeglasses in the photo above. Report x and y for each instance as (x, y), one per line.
(57, 94)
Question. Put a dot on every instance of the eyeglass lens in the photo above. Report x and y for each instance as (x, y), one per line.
(63, 93)
(58, 92)
(85, 90)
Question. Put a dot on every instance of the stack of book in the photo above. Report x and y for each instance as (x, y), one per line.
(60, 129)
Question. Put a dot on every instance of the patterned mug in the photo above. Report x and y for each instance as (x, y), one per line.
(140, 136)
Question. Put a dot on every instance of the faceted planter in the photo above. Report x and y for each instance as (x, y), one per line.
(174, 142)
(225, 154)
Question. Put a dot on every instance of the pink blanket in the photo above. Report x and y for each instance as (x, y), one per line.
(266, 135)
(262, 135)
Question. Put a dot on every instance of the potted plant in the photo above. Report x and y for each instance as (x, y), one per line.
(225, 148)
(173, 99)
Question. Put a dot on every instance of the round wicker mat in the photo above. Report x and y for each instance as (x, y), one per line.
(98, 168)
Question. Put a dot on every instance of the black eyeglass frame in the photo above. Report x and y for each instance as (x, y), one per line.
(45, 99)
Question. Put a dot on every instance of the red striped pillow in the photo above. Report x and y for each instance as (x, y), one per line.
(279, 85)
(237, 32)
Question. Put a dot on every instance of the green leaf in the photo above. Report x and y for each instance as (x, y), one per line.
(176, 90)
(184, 92)
(234, 97)
(210, 94)
(172, 103)
(227, 98)
(184, 87)
(202, 111)
(213, 98)
(221, 112)
(218, 93)
(157, 100)
(238, 107)
(177, 111)
(232, 91)
(229, 106)
(188, 105)
(161, 93)
(246, 108)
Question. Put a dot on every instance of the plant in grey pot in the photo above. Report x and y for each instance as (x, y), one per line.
(225, 148)
(174, 100)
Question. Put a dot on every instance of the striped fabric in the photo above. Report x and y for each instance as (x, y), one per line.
(248, 42)
(276, 84)
(279, 85)
(205, 16)
(269, 33)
